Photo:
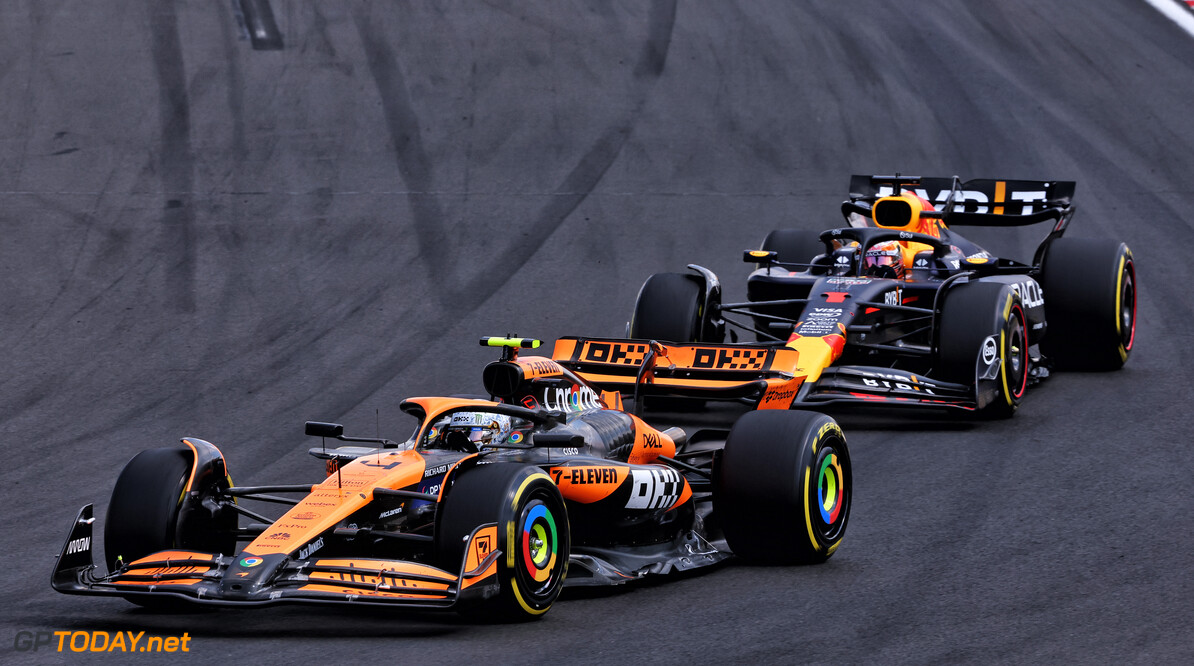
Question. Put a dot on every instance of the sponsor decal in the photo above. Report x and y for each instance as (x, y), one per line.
(1031, 294)
(921, 262)
(78, 546)
(250, 562)
(435, 471)
(483, 545)
(819, 321)
(540, 367)
(516, 437)
(782, 394)
(470, 419)
(894, 381)
(310, 548)
(573, 399)
(729, 359)
(306, 515)
(530, 402)
(278, 536)
(849, 281)
(590, 475)
(892, 297)
(615, 352)
(654, 488)
(990, 350)
(842, 259)
(975, 197)
(570, 451)
(651, 441)
(391, 512)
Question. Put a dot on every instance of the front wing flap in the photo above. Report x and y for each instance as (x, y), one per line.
(872, 385)
(250, 580)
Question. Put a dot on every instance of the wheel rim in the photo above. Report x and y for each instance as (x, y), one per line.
(540, 562)
(831, 493)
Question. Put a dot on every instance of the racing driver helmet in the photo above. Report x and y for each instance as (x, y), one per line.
(884, 260)
(481, 428)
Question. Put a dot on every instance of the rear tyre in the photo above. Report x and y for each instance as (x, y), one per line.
(983, 323)
(783, 487)
(532, 533)
(793, 245)
(668, 309)
(1090, 304)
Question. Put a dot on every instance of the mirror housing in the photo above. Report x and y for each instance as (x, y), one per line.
(321, 429)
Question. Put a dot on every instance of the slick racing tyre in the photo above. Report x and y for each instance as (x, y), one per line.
(984, 343)
(143, 514)
(793, 246)
(1090, 304)
(782, 487)
(532, 534)
(668, 309)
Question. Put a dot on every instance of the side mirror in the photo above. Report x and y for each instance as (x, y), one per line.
(759, 256)
(557, 439)
(320, 429)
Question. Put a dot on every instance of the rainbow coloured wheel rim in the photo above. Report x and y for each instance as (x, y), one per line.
(540, 562)
(830, 493)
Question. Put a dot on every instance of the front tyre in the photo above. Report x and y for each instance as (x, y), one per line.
(533, 535)
(1090, 304)
(783, 487)
(143, 513)
(984, 343)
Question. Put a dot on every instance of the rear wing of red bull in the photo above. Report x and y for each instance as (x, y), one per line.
(764, 376)
(979, 202)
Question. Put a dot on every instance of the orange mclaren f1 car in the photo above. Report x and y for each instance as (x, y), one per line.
(896, 309)
(491, 505)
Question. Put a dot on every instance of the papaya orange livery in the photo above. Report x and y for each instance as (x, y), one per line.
(489, 505)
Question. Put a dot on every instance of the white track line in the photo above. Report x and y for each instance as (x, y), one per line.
(1176, 13)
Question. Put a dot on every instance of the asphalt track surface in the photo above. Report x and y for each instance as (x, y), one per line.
(200, 238)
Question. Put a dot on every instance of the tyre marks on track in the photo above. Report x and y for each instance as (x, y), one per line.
(429, 221)
(175, 159)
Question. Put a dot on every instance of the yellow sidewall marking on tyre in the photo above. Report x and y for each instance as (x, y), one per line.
(1007, 312)
(522, 602)
(1119, 303)
(808, 519)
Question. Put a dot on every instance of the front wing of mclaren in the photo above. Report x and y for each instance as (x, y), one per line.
(251, 580)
